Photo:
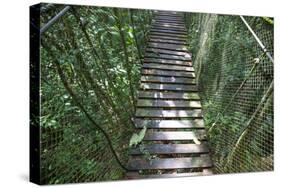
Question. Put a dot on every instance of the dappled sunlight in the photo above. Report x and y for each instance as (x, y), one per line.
(176, 135)
(168, 103)
(160, 123)
(168, 67)
(168, 46)
(169, 87)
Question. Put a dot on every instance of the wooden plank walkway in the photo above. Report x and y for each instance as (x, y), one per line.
(175, 143)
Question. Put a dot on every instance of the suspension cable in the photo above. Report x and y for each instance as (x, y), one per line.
(54, 19)
(257, 39)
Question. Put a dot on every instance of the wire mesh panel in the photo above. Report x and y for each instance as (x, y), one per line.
(235, 77)
(94, 48)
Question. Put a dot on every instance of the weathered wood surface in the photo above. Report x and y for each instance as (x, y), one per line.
(177, 29)
(158, 113)
(176, 37)
(171, 163)
(170, 21)
(168, 103)
(176, 47)
(167, 67)
(168, 87)
(167, 38)
(168, 41)
(157, 55)
(167, 73)
(168, 95)
(169, 124)
(166, 25)
(176, 135)
(169, 106)
(167, 17)
(167, 61)
(170, 80)
(136, 175)
(177, 16)
(171, 52)
(157, 30)
(171, 149)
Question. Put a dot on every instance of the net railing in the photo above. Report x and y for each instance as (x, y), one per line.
(235, 77)
(86, 43)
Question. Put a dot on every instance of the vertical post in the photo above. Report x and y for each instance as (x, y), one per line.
(34, 103)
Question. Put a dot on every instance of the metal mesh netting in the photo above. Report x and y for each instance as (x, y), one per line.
(236, 83)
(72, 149)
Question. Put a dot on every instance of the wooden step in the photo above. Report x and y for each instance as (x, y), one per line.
(167, 38)
(167, 103)
(162, 33)
(136, 175)
(167, 73)
(172, 52)
(172, 163)
(175, 135)
(168, 87)
(156, 113)
(169, 124)
(171, 80)
(175, 36)
(169, 13)
(166, 56)
(171, 149)
(168, 46)
(168, 62)
(168, 17)
(169, 29)
(166, 20)
(170, 23)
(168, 95)
(157, 30)
(166, 25)
(173, 47)
(178, 16)
(167, 41)
(167, 67)
(158, 20)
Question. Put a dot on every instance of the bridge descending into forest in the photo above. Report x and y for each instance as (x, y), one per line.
(169, 106)
(89, 59)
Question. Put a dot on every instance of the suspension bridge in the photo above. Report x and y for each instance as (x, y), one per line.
(233, 72)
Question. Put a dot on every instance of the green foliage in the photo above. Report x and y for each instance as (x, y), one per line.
(268, 20)
(224, 53)
(87, 44)
(137, 138)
